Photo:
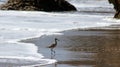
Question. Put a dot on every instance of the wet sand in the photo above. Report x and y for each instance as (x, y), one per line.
(82, 48)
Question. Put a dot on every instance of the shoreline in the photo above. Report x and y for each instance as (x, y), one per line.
(91, 48)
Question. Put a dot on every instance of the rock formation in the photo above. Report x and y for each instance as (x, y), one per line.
(38, 5)
(116, 4)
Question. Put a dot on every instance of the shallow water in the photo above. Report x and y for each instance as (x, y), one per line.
(22, 25)
(94, 48)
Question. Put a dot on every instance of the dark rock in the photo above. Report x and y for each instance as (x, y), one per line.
(38, 5)
(116, 4)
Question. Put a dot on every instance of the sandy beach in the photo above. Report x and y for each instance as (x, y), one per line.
(82, 48)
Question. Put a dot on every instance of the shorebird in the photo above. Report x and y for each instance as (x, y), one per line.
(52, 46)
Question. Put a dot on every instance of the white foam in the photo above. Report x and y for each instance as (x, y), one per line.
(21, 54)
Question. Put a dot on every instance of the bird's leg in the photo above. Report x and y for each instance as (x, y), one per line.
(54, 51)
(51, 51)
